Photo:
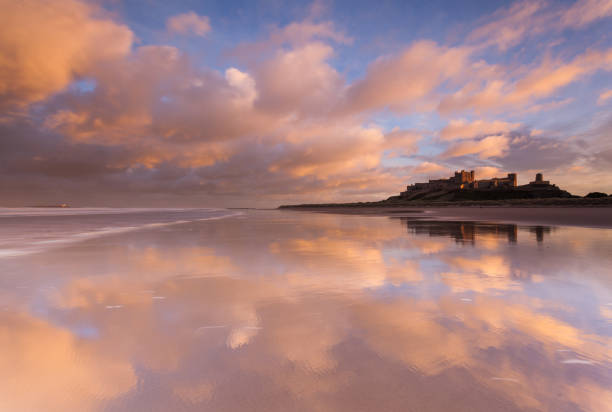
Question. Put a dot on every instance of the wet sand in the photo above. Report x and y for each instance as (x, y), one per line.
(283, 311)
(595, 217)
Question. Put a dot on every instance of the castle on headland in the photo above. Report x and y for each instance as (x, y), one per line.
(465, 182)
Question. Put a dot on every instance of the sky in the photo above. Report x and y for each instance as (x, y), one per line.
(261, 103)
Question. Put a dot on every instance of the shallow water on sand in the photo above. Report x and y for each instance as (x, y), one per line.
(296, 311)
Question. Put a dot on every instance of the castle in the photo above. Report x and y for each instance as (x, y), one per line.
(465, 180)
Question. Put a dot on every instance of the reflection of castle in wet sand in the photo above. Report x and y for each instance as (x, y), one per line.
(469, 232)
(540, 231)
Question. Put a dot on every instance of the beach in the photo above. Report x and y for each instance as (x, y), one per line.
(277, 310)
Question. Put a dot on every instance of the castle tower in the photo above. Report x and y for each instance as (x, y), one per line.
(539, 180)
(466, 177)
(513, 179)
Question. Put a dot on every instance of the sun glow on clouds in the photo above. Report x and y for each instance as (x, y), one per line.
(283, 114)
(40, 53)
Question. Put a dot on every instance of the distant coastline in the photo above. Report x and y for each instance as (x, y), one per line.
(395, 203)
(58, 206)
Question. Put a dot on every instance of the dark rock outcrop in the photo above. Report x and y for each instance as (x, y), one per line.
(594, 195)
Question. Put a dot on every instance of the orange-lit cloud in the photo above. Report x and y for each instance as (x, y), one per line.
(487, 172)
(492, 146)
(318, 86)
(604, 96)
(462, 129)
(401, 82)
(42, 52)
(429, 167)
(497, 93)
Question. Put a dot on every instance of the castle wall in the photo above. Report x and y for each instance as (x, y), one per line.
(465, 180)
(494, 188)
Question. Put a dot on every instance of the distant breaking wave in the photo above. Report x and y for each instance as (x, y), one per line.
(56, 211)
(25, 231)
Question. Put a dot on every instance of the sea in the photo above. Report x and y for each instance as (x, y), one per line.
(111, 309)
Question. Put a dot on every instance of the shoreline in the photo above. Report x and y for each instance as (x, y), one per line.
(505, 203)
(591, 217)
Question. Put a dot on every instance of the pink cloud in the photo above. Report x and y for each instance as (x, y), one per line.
(584, 12)
(492, 146)
(188, 23)
(429, 167)
(402, 82)
(295, 35)
(604, 96)
(305, 31)
(462, 129)
(487, 172)
(507, 27)
(299, 80)
(402, 142)
(500, 91)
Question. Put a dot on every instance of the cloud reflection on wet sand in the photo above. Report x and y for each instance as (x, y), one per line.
(290, 311)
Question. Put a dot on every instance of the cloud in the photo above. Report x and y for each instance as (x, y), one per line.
(507, 27)
(462, 129)
(323, 150)
(429, 167)
(487, 172)
(46, 45)
(301, 32)
(295, 35)
(244, 83)
(188, 23)
(299, 81)
(405, 81)
(492, 146)
(552, 75)
(604, 96)
(527, 152)
(502, 91)
(401, 142)
(584, 12)
(165, 101)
